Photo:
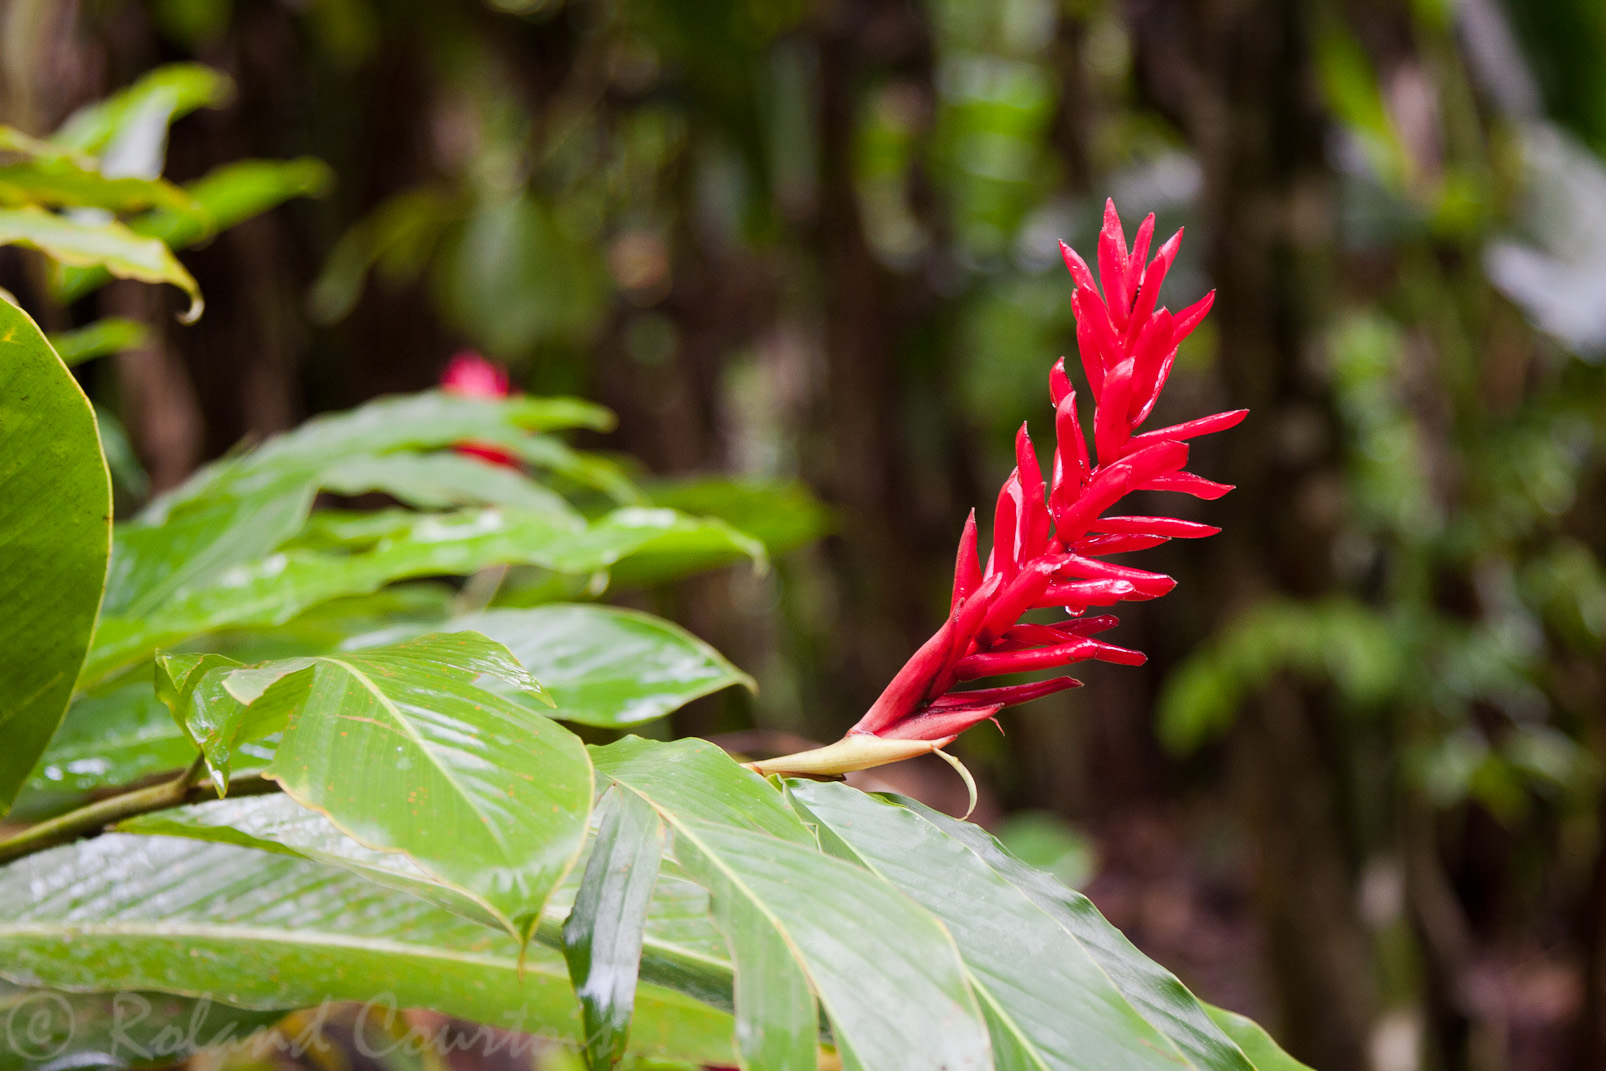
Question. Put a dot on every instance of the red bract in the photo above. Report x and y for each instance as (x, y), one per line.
(1049, 539)
(470, 374)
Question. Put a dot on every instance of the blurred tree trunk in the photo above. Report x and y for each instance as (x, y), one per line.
(868, 316)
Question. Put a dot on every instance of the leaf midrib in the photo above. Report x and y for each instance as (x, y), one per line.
(407, 728)
(261, 934)
(985, 990)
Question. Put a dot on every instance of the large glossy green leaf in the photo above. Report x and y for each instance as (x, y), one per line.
(1063, 989)
(274, 589)
(607, 666)
(777, 1017)
(114, 739)
(635, 530)
(239, 510)
(442, 480)
(153, 558)
(109, 244)
(781, 516)
(424, 421)
(886, 972)
(261, 930)
(694, 779)
(277, 823)
(1258, 1045)
(603, 934)
(681, 949)
(55, 534)
(404, 753)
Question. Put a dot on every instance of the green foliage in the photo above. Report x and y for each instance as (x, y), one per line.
(110, 334)
(92, 200)
(492, 799)
(55, 522)
(330, 741)
(109, 245)
(261, 930)
(603, 933)
(1061, 987)
(1336, 641)
(607, 666)
(433, 816)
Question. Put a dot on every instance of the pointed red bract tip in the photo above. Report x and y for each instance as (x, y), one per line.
(1059, 384)
(1080, 273)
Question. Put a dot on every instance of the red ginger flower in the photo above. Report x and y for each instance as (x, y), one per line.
(471, 375)
(1049, 541)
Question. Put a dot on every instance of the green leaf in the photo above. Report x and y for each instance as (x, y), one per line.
(777, 1018)
(224, 197)
(783, 515)
(108, 335)
(260, 930)
(159, 555)
(114, 739)
(277, 823)
(695, 779)
(15, 141)
(404, 753)
(634, 530)
(1063, 989)
(55, 536)
(110, 245)
(1258, 1045)
(398, 237)
(192, 688)
(234, 192)
(585, 470)
(682, 950)
(886, 972)
(602, 937)
(426, 420)
(165, 93)
(63, 183)
(442, 480)
(239, 510)
(608, 666)
(276, 588)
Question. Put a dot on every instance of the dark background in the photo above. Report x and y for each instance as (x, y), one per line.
(1356, 792)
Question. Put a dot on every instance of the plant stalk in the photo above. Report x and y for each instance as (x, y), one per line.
(95, 818)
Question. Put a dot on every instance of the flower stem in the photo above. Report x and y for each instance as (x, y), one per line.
(93, 819)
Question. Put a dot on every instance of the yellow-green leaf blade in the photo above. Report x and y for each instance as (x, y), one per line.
(55, 537)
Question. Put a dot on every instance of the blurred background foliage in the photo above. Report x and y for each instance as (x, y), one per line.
(1358, 790)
